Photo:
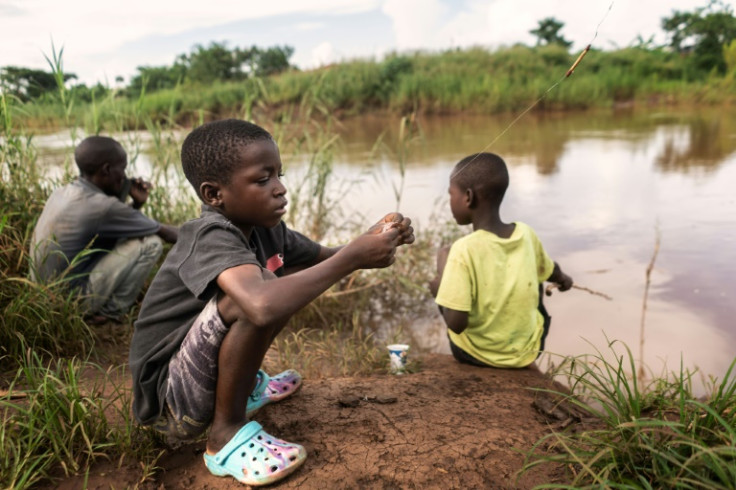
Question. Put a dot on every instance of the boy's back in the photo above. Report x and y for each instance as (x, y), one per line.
(496, 280)
(488, 285)
(78, 216)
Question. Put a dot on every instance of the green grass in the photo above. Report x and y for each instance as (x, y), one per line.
(65, 420)
(474, 80)
(44, 317)
(653, 435)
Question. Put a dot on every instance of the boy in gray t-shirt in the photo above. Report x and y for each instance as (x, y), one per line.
(87, 233)
(226, 289)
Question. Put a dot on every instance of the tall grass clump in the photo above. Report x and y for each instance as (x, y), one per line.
(314, 203)
(657, 435)
(59, 417)
(340, 350)
(44, 316)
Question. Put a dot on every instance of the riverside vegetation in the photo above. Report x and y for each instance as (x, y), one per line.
(63, 406)
(469, 81)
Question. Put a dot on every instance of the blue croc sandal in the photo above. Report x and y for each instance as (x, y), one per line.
(271, 389)
(255, 458)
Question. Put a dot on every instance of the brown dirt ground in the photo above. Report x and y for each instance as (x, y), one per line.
(445, 426)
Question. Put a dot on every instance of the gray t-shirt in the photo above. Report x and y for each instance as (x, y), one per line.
(206, 247)
(76, 216)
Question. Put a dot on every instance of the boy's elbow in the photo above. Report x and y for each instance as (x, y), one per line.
(263, 321)
(263, 314)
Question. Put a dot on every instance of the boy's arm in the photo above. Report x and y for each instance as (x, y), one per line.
(323, 254)
(139, 191)
(406, 236)
(457, 321)
(563, 281)
(168, 233)
(265, 300)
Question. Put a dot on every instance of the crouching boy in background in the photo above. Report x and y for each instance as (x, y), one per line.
(87, 233)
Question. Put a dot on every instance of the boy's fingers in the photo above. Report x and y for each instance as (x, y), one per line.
(394, 234)
(393, 218)
(392, 225)
(144, 184)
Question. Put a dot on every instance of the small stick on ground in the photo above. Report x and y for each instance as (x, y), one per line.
(644, 304)
(13, 395)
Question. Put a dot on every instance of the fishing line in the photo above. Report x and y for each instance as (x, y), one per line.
(544, 94)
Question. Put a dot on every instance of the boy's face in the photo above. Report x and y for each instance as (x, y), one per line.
(255, 195)
(459, 205)
(114, 177)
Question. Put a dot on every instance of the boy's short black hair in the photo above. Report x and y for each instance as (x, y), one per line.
(210, 152)
(485, 173)
(95, 151)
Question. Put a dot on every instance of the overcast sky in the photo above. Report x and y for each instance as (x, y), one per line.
(105, 39)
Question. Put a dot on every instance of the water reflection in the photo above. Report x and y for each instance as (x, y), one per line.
(703, 144)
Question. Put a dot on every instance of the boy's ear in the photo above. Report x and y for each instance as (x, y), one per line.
(211, 193)
(470, 198)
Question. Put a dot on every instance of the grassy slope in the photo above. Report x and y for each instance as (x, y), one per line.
(471, 81)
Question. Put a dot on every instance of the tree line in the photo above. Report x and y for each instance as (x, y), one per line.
(202, 65)
(705, 38)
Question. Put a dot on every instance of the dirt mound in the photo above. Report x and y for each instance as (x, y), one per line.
(447, 426)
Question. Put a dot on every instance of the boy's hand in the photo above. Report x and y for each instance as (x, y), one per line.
(374, 249)
(565, 282)
(139, 190)
(395, 221)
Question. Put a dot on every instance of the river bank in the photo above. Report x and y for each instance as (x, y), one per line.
(445, 426)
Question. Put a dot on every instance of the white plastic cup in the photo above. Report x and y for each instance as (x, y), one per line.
(397, 355)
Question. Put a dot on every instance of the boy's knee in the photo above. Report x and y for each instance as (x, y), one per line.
(152, 246)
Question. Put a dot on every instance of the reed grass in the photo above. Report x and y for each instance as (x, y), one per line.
(44, 316)
(653, 435)
(58, 418)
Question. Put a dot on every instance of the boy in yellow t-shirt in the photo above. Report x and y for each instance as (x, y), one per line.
(489, 283)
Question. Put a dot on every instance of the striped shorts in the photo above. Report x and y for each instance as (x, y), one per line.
(190, 393)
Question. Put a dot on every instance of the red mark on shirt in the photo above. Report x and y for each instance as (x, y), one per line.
(275, 262)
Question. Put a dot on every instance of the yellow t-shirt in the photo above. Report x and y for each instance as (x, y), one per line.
(496, 280)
